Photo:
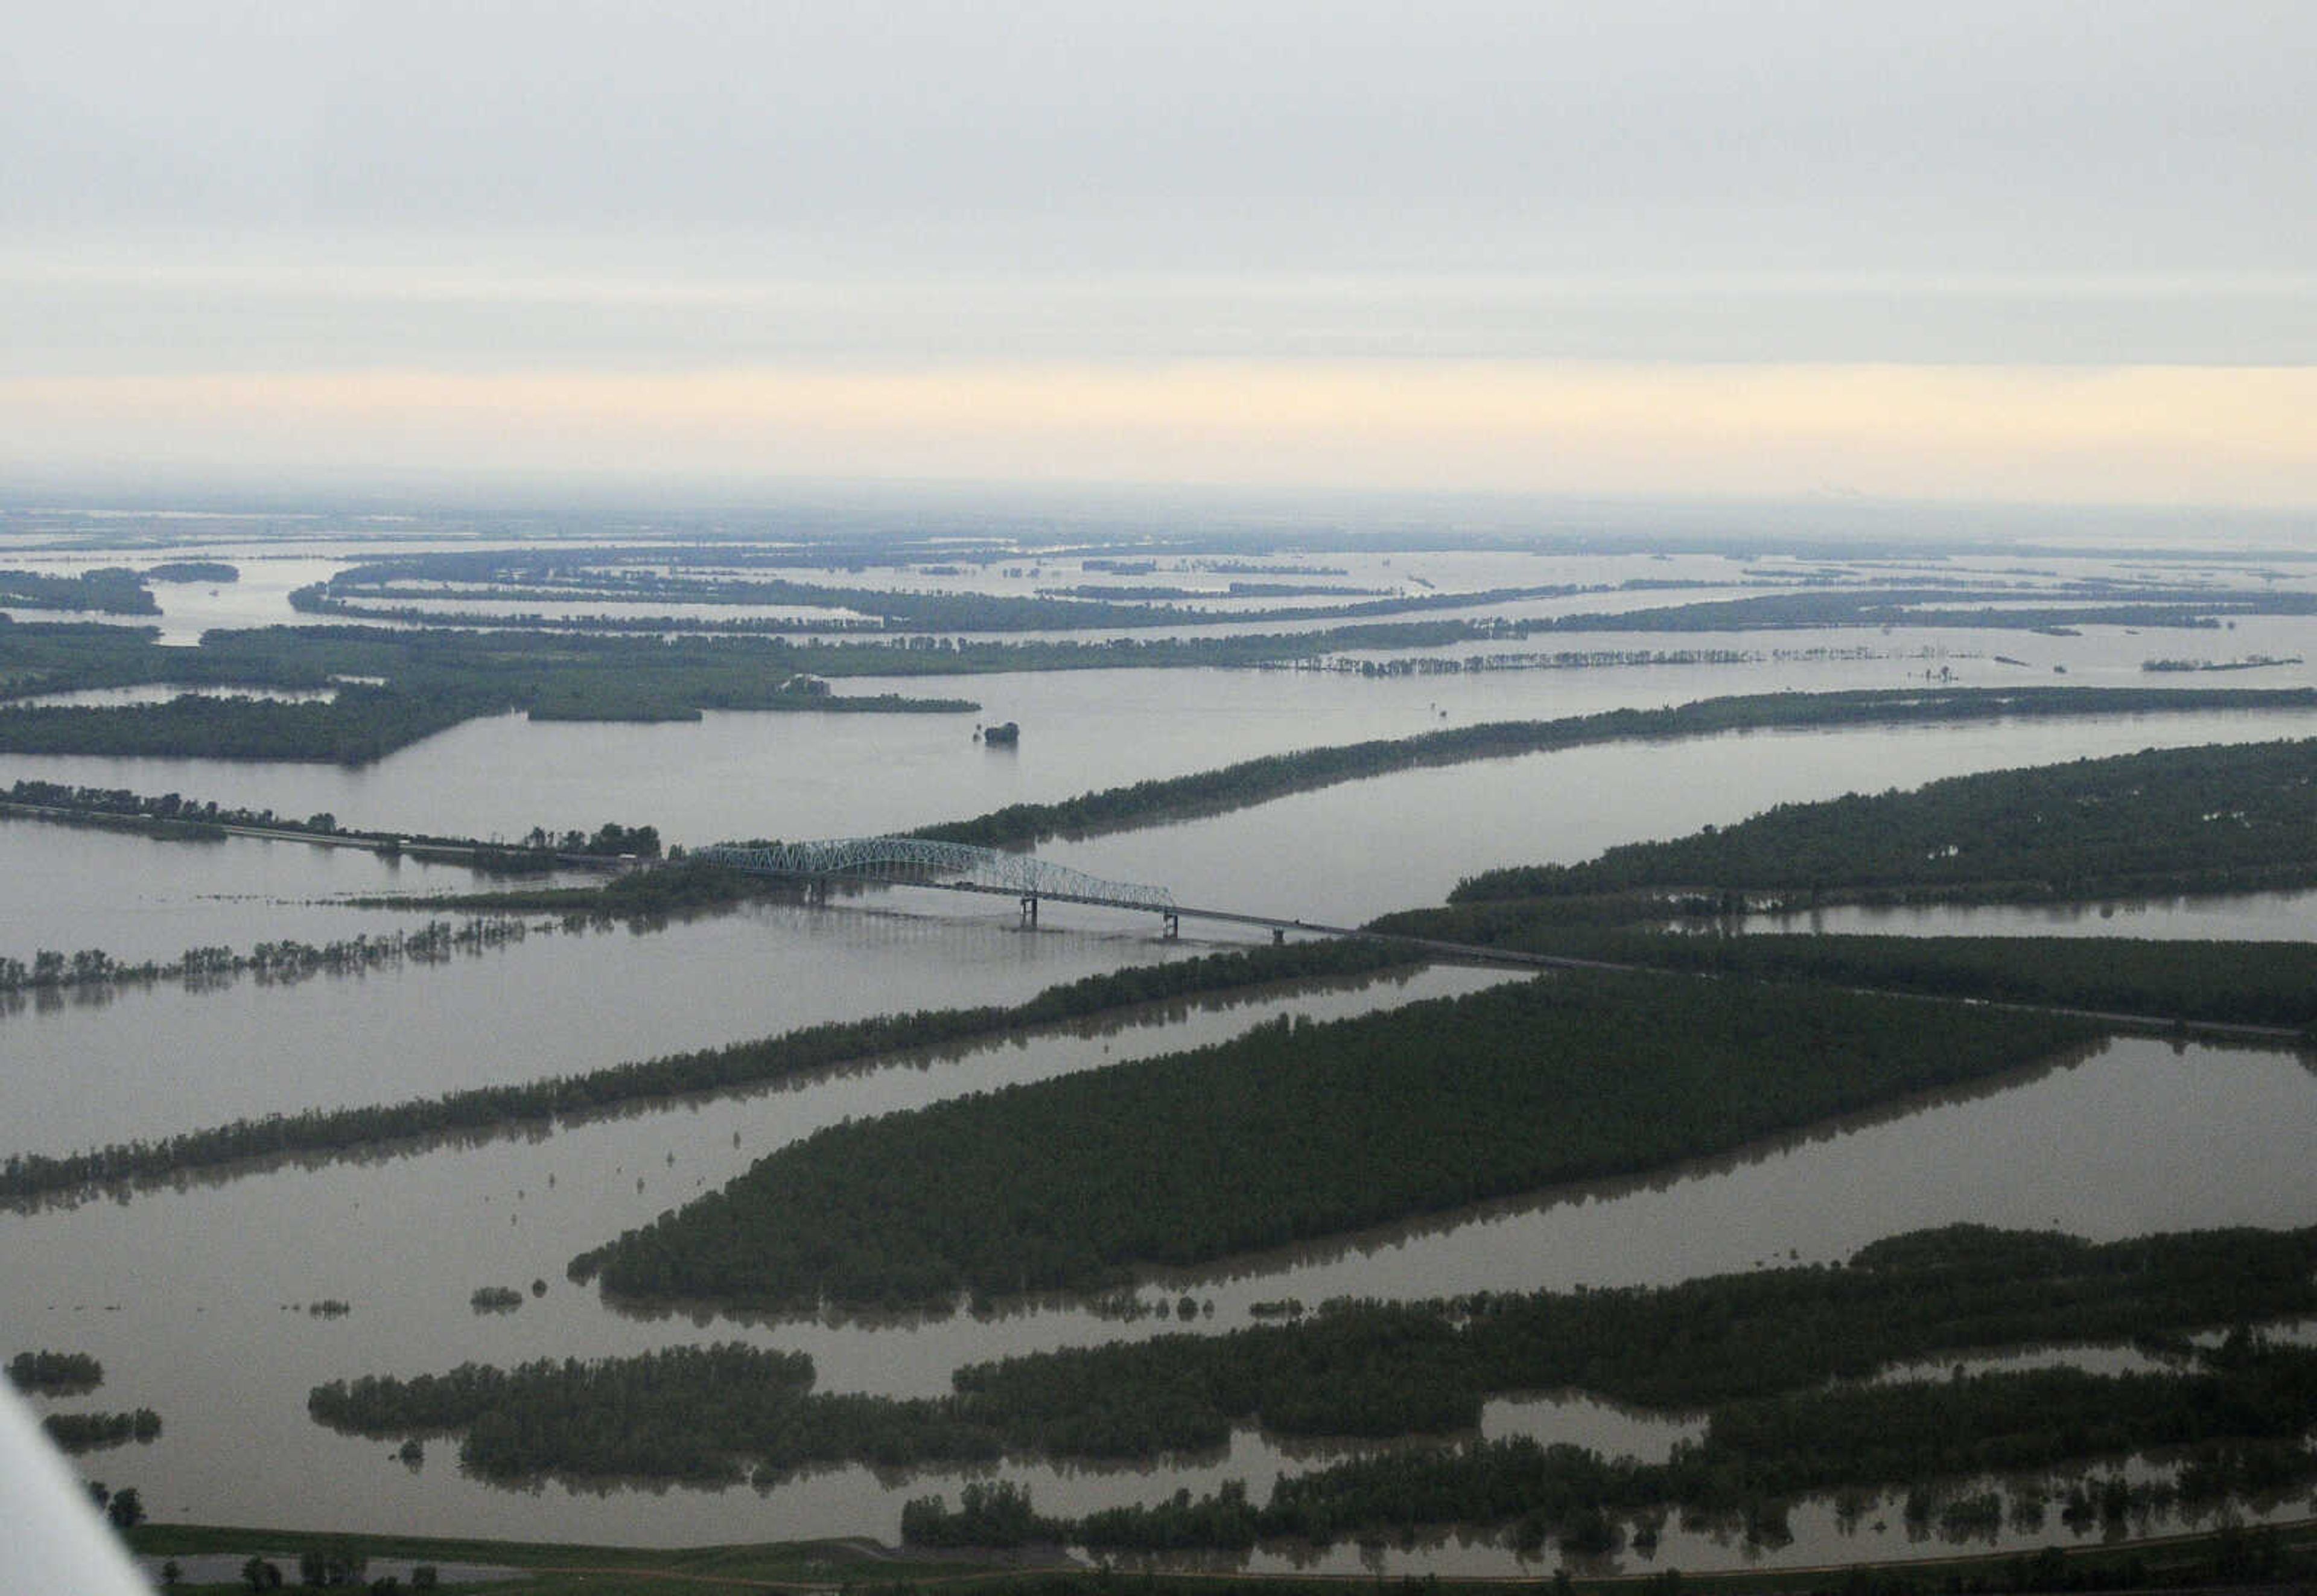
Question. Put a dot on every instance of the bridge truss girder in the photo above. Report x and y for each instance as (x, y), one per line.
(913, 859)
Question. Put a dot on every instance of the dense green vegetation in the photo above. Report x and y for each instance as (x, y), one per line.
(2258, 984)
(698, 576)
(1979, 605)
(88, 1433)
(1294, 1132)
(398, 685)
(1115, 591)
(286, 959)
(554, 1569)
(54, 656)
(630, 675)
(1393, 1369)
(192, 571)
(2244, 1413)
(431, 680)
(361, 724)
(2230, 1556)
(113, 590)
(683, 886)
(2208, 819)
(1258, 781)
(1381, 1370)
(488, 1110)
(1759, 1349)
(2180, 820)
(55, 1374)
(174, 816)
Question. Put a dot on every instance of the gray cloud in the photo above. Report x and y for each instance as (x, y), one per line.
(2129, 135)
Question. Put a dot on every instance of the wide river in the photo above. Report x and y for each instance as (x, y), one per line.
(196, 1298)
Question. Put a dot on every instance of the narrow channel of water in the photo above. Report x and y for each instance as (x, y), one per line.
(1348, 852)
(146, 1060)
(2141, 1136)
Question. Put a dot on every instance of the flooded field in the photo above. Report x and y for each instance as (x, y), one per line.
(197, 1296)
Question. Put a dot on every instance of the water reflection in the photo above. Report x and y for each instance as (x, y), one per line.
(1182, 1022)
(1323, 1257)
(549, 1005)
(2237, 916)
(196, 1295)
(2141, 1136)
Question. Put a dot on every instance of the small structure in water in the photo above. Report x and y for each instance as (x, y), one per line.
(1002, 736)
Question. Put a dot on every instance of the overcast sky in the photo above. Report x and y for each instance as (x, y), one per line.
(1967, 250)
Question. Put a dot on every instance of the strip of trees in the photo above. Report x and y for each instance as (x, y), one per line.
(2255, 983)
(740, 1066)
(90, 1432)
(1780, 1361)
(1258, 781)
(1299, 1131)
(2210, 818)
(55, 1374)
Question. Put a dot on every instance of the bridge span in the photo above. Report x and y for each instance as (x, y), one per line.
(953, 866)
(960, 868)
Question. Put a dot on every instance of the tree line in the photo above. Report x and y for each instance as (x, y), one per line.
(1295, 1132)
(90, 1432)
(2207, 818)
(393, 687)
(281, 960)
(2260, 983)
(1780, 1358)
(741, 1066)
(55, 1374)
(1251, 781)
(1992, 606)
(367, 592)
(111, 590)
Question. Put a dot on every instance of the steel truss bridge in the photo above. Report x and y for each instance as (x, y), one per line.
(960, 868)
(956, 867)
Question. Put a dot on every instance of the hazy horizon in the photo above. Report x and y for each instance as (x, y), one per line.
(2030, 252)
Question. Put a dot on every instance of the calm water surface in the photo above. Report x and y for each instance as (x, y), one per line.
(800, 775)
(2139, 1135)
(146, 1060)
(194, 1298)
(2250, 916)
(154, 1060)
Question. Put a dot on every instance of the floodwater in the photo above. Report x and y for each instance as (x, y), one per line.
(559, 1002)
(194, 1296)
(214, 1333)
(2246, 917)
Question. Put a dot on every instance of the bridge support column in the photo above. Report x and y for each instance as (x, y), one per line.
(1029, 911)
(1278, 936)
(1171, 927)
(816, 891)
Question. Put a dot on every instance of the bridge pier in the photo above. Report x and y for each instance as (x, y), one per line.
(916, 861)
(1171, 927)
(1278, 936)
